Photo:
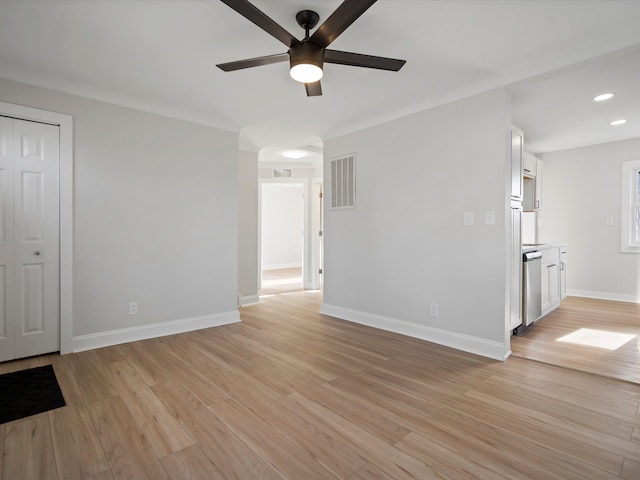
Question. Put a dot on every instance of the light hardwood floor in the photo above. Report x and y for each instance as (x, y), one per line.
(291, 394)
(613, 318)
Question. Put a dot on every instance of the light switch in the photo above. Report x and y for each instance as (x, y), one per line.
(468, 219)
(609, 222)
(490, 217)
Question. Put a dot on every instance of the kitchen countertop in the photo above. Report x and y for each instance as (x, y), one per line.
(532, 247)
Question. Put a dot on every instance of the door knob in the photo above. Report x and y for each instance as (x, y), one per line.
(37, 252)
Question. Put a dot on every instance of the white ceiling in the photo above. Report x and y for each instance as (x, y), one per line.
(160, 56)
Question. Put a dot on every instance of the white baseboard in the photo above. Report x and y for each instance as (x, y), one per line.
(248, 300)
(144, 332)
(466, 343)
(615, 297)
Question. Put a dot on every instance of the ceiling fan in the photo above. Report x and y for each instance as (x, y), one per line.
(307, 56)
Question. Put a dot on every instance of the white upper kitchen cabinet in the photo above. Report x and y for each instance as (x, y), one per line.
(528, 166)
(537, 192)
(532, 183)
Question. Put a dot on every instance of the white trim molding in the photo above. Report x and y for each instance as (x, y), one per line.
(248, 300)
(466, 343)
(145, 332)
(614, 297)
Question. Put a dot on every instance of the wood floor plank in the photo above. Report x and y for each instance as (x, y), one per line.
(191, 464)
(228, 453)
(108, 355)
(252, 394)
(127, 449)
(162, 430)
(291, 461)
(106, 475)
(370, 472)
(388, 458)
(447, 461)
(143, 363)
(631, 470)
(511, 455)
(76, 445)
(28, 452)
(67, 380)
(90, 377)
(579, 411)
(557, 435)
(377, 423)
(174, 367)
(332, 454)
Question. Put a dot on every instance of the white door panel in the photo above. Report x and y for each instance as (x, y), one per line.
(31, 240)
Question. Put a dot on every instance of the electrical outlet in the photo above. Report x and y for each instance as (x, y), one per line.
(433, 309)
(609, 222)
(133, 308)
(468, 219)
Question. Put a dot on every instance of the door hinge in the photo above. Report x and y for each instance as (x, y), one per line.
(320, 195)
(320, 233)
(320, 271)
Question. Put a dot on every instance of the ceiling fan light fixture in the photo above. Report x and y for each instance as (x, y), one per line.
(603, 96)
(306, 61)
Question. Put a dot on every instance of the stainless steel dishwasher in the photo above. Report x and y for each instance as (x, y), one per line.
(531, 287)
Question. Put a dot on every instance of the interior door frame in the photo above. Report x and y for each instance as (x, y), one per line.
(65, 124)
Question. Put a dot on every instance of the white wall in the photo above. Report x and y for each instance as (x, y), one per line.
(155, 219)
(282, 225)
(405, 245)
(248, 269)
(582, 187)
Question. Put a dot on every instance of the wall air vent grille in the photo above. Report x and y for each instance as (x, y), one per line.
(343, 182)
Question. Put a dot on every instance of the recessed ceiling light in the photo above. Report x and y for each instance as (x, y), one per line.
(294, 154)
(602, 97)
(618, 122)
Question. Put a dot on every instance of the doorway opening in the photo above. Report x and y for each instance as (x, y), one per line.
(282, 207)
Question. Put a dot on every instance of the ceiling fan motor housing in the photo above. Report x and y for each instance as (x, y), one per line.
(306, 53)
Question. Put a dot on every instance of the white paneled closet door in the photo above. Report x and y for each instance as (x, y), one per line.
(29, 239)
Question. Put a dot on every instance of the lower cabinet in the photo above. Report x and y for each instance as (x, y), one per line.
(563, 272)
(551, 279)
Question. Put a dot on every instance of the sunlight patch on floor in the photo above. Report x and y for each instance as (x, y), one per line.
(597, 338)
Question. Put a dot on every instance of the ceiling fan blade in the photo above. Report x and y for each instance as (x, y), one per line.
(251, 13)
(347, 13)
(253, 62)
(360, 60)
(313, 89)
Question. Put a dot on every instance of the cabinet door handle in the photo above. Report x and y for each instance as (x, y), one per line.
(537, 203)
(552, 265)
(561, 265)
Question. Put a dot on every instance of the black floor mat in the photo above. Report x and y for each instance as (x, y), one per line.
(28, 392)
